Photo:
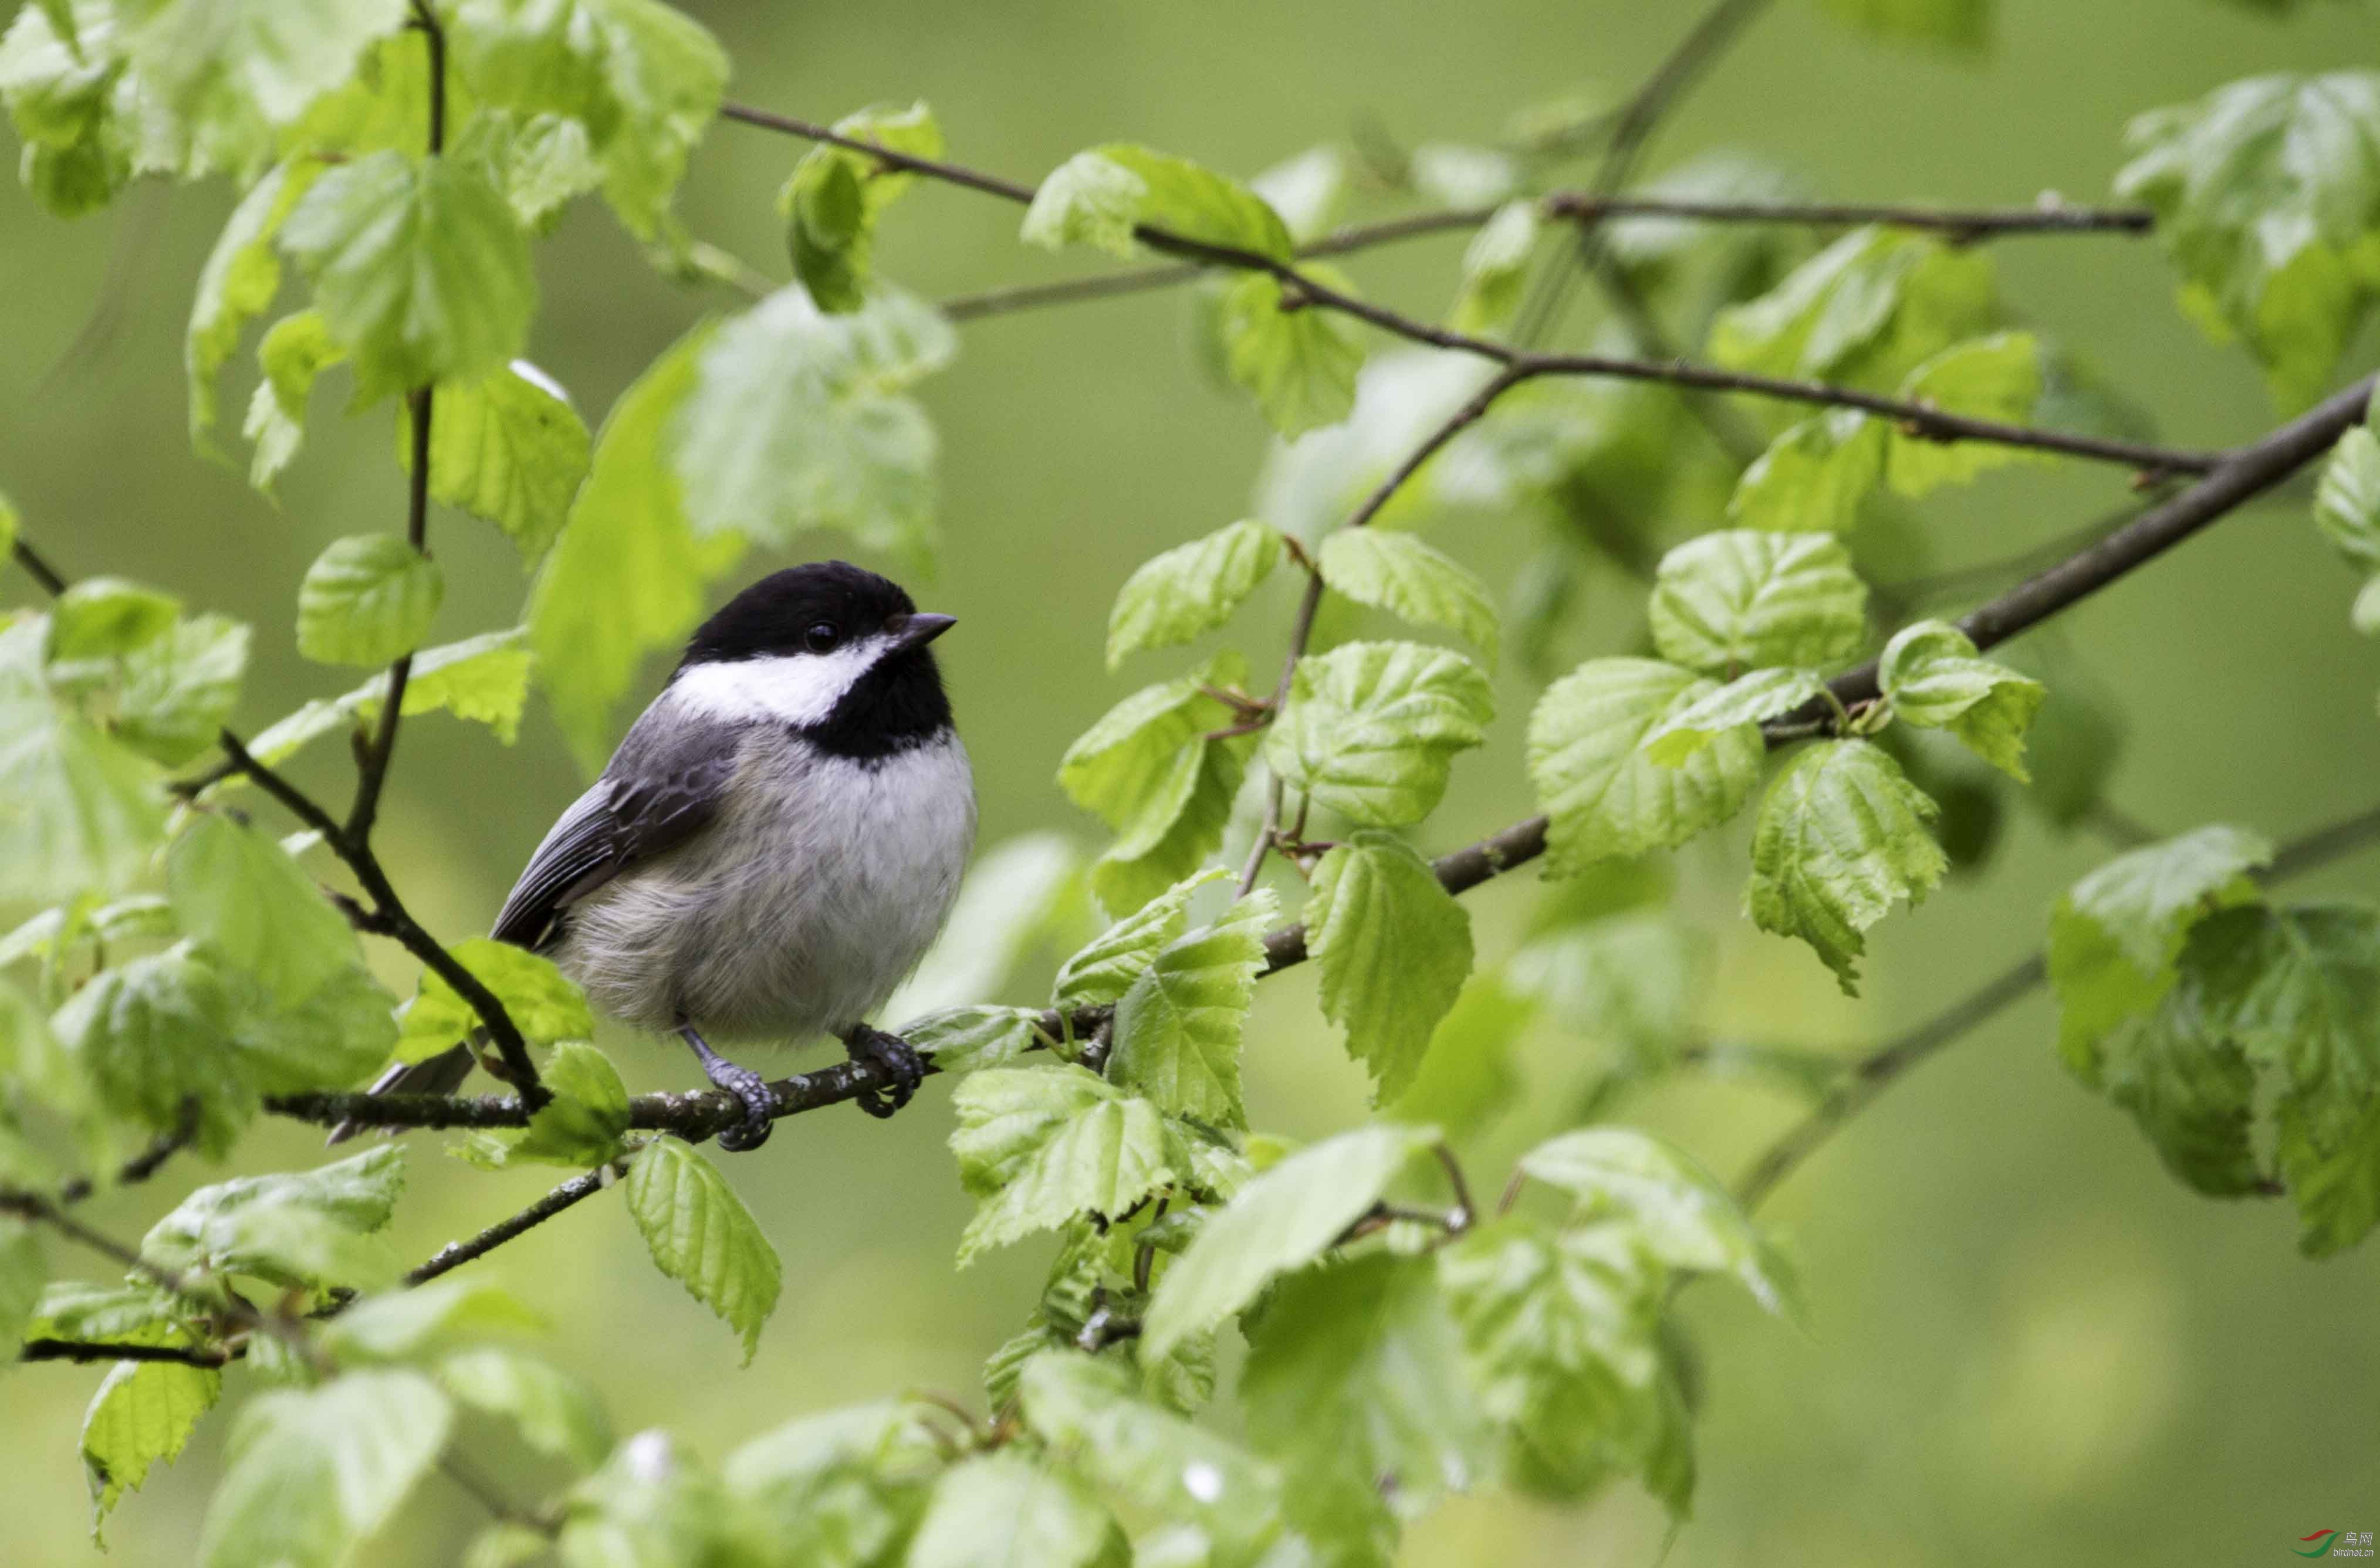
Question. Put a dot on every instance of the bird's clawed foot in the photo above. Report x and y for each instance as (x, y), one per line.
(759, 1101)
(892, 1055)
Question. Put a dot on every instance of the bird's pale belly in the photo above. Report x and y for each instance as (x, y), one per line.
(792, 918)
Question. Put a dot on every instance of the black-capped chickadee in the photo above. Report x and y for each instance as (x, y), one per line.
(773, 847)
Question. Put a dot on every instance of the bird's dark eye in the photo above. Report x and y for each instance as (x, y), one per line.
(821, 638)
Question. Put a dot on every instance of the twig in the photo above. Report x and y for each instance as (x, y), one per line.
(1464, 1213)
(456, 1254)
(146, 1164)
(88, 1350)
(40, 571)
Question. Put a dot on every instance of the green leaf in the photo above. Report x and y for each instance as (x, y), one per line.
(1039, 1145)
(179, 690)
(836, 194)
(2189, 1088)
(509, 448)
(1994, 378)
(1936, 680)
(99, 617)
(1753, 699)
(238, 283)
(341, 1031)
(1004, 1510)
(1741, 599)
(1841, 837)
(144, 1411)
(1177, 1030)
(2333, 1180)
(1394, 946)
(1145, 860)
(154, 1033)
(1467, 1077)
(369, 599)
(1815, 478)
(1354, 1386)
(1561, 1332)
(963, 1039)
(1112, 962)
(844, 1487)
(234, 889)
(2299, 989)
(545, 1004)
(307, 1230)
(1495, 267)
(2113, 938)
(2347, 502)
(1090, 1411)
(541, 162)
(1963, 26)
(1603, 791)
(483, 678)
(1680, 1213)
(1283, 1219)
(798, 420)
(1297, 359)
(1190, 588)
(643, 78)
(408, 1325)
(1137, 767)
(701, 1235)
(294, 353)
(420, 270)
(1413, 580)
(582, 1124)
(1098, 198)
(555, 1413)
(83, 813)
(1865, 311)
(2267, 197)
(232, 71)
(627, 576)
(1308, 190)
(314, 1473)
(22, 1271)
(1372, 729)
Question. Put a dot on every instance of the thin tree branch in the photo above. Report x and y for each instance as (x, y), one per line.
(1870, 1075)
(146, 1164)
(40, 571)
(87, 1350)
(456, 1254)
(1915, 419)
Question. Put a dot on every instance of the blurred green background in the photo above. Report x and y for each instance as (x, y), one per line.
(2028, 1343)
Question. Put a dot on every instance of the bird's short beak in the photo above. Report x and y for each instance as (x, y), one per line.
(917, 630)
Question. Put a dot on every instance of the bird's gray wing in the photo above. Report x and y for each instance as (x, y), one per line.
(662, 787)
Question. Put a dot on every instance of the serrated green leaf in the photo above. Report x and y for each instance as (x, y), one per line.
(1039, 1145)
(701, 1235)
(1865, 311)
(1752, 699)
(1963, 26)
(627, 576)
(1604, 793)
(294, 353)
(2189, 1088)
(1815, 478)
(2267, 196)
(643, 78)
(344, 1029)
(153, 1034)
(963, 1039)
(1108, 965)
(483, 678)
(836, 194)
(1394, 947)
(179, 690)
(2347, 509)
(144, 1411)
(2113, 938)
(1841, 838)
(1191, 588)
(420, 270)
(1283, 1219)
(238, 283)
(1141, 864)
(314, 1473)
(2299, 989)
(1136, 766)
(554, 1412)
(83, 811)
(1742, 600)
(1678, 1210)
(1936, 680)
(410, 1324)
(1004, 1510)
(1098, 198)
(1298, 360)
(846, 1486)
(2333, 1178)
(234, 889)
(796, 420)
(545, 1004)
(541, 161)
(1177, 1029)
(1411, 579)
(1354, 1387)
(1994, 378)
(367, 598)
(582, 1124)
(301, 1229)
(1372, 729)
(507, 448)
(100, 617)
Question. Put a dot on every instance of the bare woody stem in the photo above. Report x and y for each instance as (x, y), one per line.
(1915, 419)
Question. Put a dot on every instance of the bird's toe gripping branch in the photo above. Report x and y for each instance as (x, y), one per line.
(892, 1055)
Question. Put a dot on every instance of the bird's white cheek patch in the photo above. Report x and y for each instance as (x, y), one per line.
(796, 689)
